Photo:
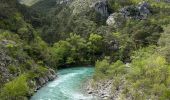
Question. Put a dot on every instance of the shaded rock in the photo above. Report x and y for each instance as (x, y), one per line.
(41, 81)
(101, 7)
(144, 9)
(141, 11)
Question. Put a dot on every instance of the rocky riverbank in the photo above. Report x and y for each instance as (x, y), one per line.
(101, 89)
(41, 81)
(106, 90)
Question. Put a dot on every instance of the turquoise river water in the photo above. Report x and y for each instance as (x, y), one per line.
(67, 86)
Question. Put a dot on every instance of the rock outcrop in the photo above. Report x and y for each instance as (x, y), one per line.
(101, 7)
(141, 11)
(28, 2)
(41, 81)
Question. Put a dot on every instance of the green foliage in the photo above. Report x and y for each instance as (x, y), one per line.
(7, 35)
(76, 50)
(60, 51)
(148, 73)
(143, 33)
(22, 50)
(105, 69)
(147, 76)
(164, 43)
(83, 27)
(117, 68)
(13, 69)
(101, 68)
(95, 38)
(16, 89)
(69, 51)
(37, 72)
(95, 44)
(117, 4)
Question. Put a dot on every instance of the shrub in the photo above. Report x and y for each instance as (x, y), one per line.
(16, 89)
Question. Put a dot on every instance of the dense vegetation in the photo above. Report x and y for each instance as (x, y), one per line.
(24, 56)
(146, 76)
(49, 35)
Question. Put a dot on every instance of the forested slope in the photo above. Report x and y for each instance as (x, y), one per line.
(23, 55)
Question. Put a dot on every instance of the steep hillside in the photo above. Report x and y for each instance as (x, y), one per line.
(23, 55)
(110, 27)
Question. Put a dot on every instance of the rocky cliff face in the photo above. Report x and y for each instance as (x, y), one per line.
(42, 80)
(100, 6)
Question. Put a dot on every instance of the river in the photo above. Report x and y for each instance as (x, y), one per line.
(67, 86)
